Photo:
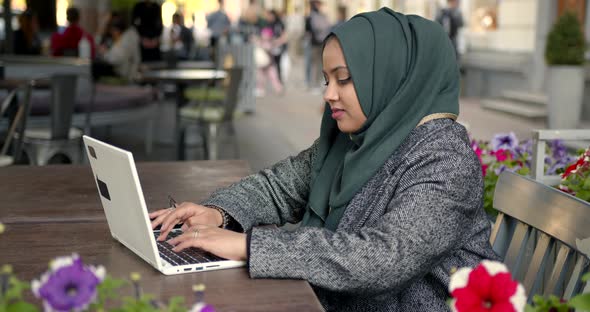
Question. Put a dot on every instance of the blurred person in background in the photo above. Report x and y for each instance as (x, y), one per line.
(451, 20)
(66, 43)
(317, 28)
(267, 68)
(341, 16)
(250, 22)
(147, 18)
(279, 39)
(123, 57)
(218, 24)
(181, 38)
(26, 38)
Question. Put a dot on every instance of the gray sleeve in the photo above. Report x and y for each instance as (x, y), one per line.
(427, 219)
(276, 195)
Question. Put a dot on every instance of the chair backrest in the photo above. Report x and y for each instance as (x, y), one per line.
(543, 235)
(63, 100)
(232, 92)
(19, 118)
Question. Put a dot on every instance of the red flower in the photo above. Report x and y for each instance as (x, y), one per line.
(502, 155)
(485, 291)
(573, 167)
(484, 169)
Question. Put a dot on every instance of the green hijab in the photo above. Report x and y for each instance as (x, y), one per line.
(403, 68)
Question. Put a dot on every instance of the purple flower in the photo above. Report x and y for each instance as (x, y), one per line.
(504, 141)
(500, 169)
(558, 149)
(202, 307)
(69, 285)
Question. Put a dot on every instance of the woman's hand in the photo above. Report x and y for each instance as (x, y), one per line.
(188, 213)
(220, 242)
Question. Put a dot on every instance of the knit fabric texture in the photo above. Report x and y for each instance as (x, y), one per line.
(415, 220)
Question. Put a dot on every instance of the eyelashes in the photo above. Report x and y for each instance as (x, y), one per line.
(340, 81)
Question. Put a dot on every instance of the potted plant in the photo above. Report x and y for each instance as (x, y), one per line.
(564, 54)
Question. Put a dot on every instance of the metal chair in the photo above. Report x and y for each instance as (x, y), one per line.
(42, 144)
(17, 125)
(542, 235)
(212, 116)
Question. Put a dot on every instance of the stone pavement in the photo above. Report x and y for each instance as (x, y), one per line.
(284, 125)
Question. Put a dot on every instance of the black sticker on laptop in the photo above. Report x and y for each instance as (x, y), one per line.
(91, 151)
(103, 189)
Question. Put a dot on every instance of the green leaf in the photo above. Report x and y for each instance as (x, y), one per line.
(22, 306)
(176, 304)
(581, 302)
(583, 194)
(15, 289)
(529, 308)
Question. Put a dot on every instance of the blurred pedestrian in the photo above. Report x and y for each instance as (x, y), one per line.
(279, 39)
(181, 38)
(26, 38)
(250, 22)
(317, 28)
(267, 68)
(451, 20)
(341, 16)
(147, 19)
(68, 42)
(123, 57)
(218, 24)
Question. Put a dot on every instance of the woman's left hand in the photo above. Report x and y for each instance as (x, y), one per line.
(220, 242)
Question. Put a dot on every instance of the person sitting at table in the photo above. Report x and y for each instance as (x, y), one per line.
(123, 57)
(26, 38)
(390, 195)
(67, 43)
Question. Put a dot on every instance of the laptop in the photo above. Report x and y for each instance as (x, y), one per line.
(127, 215)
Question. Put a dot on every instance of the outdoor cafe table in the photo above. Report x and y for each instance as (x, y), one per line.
(67, 193)
(30, 247)
(55, 210)
(181, 78)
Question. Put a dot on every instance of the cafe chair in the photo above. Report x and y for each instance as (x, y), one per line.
(212, 115)
(543, 236)
(43, 144)
(17, 116)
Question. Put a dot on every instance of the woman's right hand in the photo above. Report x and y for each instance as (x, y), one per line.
(188, 213)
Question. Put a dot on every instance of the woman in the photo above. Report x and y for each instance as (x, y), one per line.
(279, 38)
(390, 195)
(123, 57)
(26, 38)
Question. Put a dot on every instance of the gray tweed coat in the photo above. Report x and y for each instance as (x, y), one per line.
(419, 217)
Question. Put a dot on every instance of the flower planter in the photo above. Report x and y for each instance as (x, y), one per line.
(565, 90)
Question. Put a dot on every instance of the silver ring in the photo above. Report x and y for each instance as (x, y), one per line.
(195, 233)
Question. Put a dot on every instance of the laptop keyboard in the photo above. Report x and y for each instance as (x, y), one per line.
(187, 256)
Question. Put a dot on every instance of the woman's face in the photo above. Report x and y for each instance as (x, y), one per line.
(340, 93)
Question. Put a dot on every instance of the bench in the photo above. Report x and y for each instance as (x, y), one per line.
(542, 234)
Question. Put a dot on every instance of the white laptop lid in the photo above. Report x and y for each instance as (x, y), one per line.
(122, 198)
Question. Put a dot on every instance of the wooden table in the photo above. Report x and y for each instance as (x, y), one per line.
(29, 247)
(181, 78)
(55, 210)
(67, 193)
